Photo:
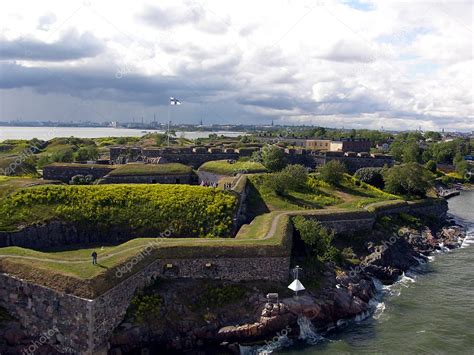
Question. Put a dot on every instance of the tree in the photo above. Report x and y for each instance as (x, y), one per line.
(462, 168)
(293, 177)
(63, 156)
(371, 176)
(332, 172)
(431, 166)
(411, 152)
(434, 136)
(317, 238)
(408, 179)
(86, 153)
(273, 158)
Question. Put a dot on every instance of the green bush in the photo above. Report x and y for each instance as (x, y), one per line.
(431, 166)
(332, 172)
(146, 309)
(408, 179)
(371, 176)
(317, 238)
(292, 177)
(273, 158)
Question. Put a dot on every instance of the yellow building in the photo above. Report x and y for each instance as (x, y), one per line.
(318, 144)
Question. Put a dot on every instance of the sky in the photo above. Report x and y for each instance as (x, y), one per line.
(397, 65)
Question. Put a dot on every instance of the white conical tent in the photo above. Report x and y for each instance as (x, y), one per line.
(296, 286)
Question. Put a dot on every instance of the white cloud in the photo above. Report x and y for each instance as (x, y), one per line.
(352, 63)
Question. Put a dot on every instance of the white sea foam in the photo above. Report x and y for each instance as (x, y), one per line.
(307, 331)
(362, 316)
(469, 240)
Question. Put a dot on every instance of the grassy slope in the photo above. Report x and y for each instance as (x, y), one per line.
(80, 277)
(186, 210)
(9, 185)
(152, 169)
(317, 195)
(222, 167)
(72, 271)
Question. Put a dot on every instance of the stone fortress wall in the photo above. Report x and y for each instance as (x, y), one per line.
(195, 157)
(84, 326)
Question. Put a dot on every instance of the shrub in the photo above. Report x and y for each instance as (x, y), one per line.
(408, 179)
(371, 176)
(317, 238)
(332, 172)
(81, 180)
(273, 158)
(89, 152)
(296, 176)
(292, 177)
(146, 309)
(431, 166)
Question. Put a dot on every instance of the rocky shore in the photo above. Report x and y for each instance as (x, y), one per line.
(342, 295)
(187, 322)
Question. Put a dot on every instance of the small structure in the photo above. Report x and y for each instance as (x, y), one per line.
(272, 298)
(296, 285)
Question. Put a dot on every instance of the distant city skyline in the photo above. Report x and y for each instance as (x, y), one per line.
(355, 64)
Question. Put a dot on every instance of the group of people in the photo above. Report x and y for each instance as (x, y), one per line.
(208, 183)
(227, 186)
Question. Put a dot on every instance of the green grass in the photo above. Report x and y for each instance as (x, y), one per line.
(222, 167)
(143, 209)
(152, 169)
(9, 185)
(72, 271)
(263, 198)
(79, 165)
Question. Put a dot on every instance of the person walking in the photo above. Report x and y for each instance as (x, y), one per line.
(94, 258)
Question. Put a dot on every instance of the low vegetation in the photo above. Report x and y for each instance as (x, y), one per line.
(408, 179)
(188, 211)
(152, 169)
(224, 167)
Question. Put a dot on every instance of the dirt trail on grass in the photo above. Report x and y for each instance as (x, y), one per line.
(268, 235)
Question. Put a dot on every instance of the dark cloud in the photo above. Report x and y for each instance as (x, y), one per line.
(71, 46)
(102, 83)
(273, 102)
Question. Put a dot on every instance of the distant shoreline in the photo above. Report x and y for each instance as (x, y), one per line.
(47, 133)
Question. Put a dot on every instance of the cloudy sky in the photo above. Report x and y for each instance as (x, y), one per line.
(366, 63)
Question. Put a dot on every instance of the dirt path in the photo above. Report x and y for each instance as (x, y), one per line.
(268, 235)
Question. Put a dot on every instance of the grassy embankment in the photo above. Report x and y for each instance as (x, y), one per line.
(223, 167)
(188, 211)
(152, 169)
(268, 234)
(317, 194)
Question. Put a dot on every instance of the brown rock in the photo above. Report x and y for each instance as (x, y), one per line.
(14, 336)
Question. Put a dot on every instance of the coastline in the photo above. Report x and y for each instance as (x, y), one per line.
(344, 296)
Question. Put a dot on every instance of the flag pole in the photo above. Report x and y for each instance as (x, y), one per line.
(169, 112)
